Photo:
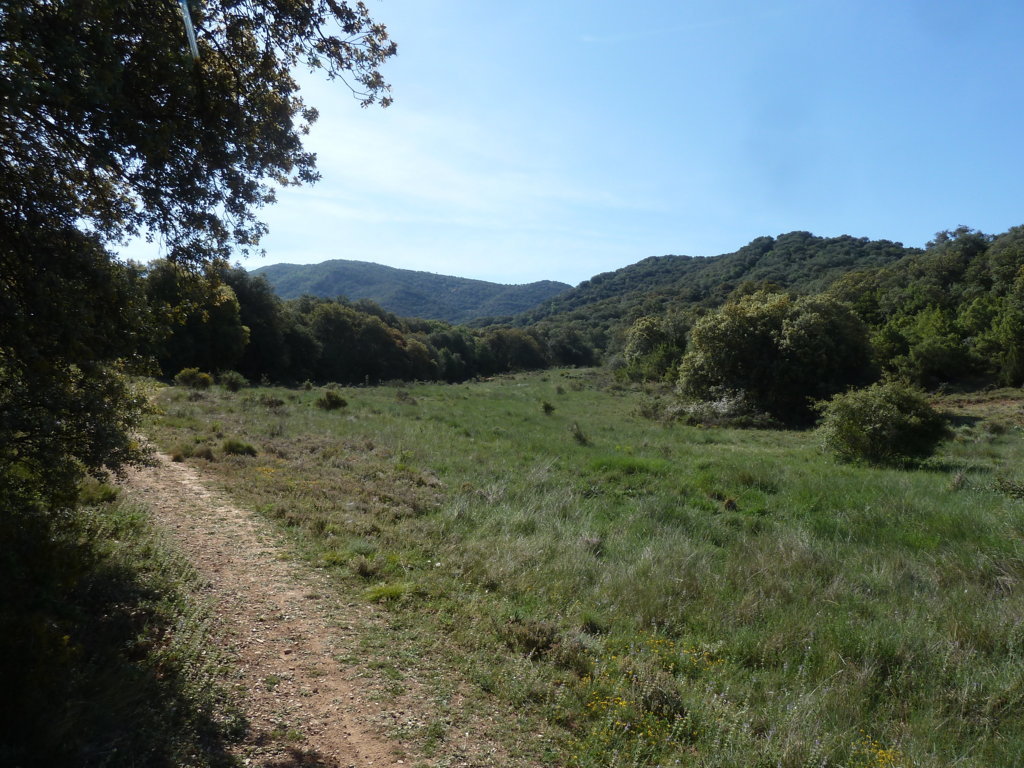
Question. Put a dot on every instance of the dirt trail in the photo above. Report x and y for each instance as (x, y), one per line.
(275, 618)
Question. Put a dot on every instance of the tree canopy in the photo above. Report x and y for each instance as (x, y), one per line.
(111, 125)
(781, 353)
(110, 129)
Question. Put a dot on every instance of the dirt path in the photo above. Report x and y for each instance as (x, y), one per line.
(275, 618)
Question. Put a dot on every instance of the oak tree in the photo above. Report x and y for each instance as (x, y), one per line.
(110, 128)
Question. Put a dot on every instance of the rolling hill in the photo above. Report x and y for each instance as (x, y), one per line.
(408, 293)
(798, 261)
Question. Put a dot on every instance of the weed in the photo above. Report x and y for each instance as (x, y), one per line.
(404, 397)
(203, 452)
(1011, 488)
(365, 568)
(394, 591)
(92, 492)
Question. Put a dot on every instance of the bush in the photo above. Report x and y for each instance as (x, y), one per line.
(233, 381)
(885, 423)
(238, 448)
(331, 401)
(193, 378)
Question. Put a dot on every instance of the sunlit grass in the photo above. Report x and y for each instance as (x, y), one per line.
(659, 593)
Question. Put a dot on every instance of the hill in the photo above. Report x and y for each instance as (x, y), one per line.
(798, 261)
(407, 292)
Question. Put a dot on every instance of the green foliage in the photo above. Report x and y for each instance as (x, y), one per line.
(232, 381)
(233, 447)
(779, 353)
(887, 423)
(406, 292)
(654, 346)
(201, 318)
(193, 378)
(108, 129)
(104, 655)
(331, 401)
(604, 306)
(70, 321)
(951, 313)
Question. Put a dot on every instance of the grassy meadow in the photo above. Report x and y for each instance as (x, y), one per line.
(640, 592)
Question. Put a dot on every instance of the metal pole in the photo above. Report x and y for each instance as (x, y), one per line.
(189, 29)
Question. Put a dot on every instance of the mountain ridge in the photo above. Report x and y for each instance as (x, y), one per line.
(799, 261)
(409, 293)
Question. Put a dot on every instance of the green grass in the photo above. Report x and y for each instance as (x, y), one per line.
(104, 654)
(658, 594)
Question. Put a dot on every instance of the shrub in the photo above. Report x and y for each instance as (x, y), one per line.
(885, 423)
(547, 407)
(238, 448)
(331, 401)
(193, 378)
(233, 381)
(92, 492)
(203, 452)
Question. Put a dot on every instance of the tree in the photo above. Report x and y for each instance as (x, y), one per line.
(200, 318)
(654, 345)
(111, 126)
(737, 349)
(262, 312)
(111, 129)
(779, 353)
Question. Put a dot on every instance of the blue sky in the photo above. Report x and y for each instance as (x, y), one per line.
(555, 140)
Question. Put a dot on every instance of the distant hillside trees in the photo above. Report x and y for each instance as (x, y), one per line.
(406, 292)
(228, 319)
(951, 313)
(605, 306)
(954, 312)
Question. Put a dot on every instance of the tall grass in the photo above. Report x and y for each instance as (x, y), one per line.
(661, 594)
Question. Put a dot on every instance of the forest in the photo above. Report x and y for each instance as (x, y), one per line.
(816, 315)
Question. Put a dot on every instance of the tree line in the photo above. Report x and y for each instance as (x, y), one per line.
(223, 318)
(950, 314)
